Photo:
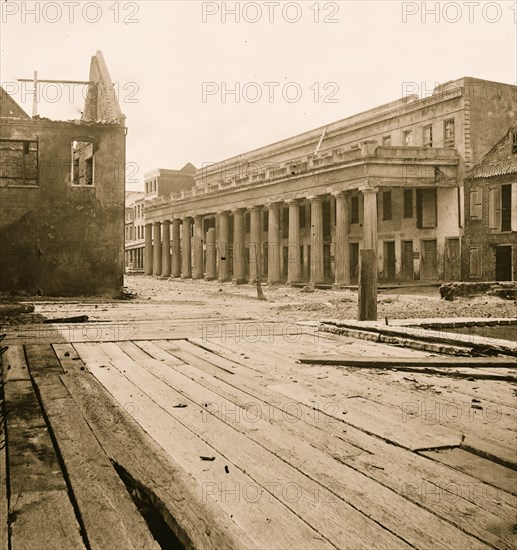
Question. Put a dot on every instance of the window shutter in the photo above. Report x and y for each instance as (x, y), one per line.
(475, 261)
(495, 208)
(513, 206)
(476, 197)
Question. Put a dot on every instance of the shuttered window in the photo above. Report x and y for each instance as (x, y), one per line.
(476, 197)
(514, 206)
(386, 205)
(494, 206)
(475, 261)
(408, 203)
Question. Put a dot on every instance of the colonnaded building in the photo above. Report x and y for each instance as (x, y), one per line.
(299, 210)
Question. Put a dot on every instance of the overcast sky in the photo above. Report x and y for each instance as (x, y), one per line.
(323, 61)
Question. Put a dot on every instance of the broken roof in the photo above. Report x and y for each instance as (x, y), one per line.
(9, 108)
(101, 104)
(499, 160)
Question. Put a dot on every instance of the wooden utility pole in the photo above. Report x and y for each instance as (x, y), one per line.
(260, 293)
(368, 285)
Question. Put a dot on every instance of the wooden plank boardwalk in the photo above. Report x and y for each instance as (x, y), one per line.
(235, 444)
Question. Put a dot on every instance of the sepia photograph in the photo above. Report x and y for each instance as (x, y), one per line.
(258, 275)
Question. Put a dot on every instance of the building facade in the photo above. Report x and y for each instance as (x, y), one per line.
(490, 239)
(62, 196)
(134, 231)
(158, 184)
(299, 210)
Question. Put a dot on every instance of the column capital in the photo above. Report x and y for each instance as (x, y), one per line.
(370, 184)
(293, 202)
(315, 198)
(238, 210)
(256, 208)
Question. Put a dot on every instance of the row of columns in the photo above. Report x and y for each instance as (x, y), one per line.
(135, 258)
(158, 240)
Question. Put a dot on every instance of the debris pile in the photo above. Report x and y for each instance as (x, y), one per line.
(506, 289)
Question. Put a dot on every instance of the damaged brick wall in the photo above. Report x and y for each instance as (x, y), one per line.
(58, 238)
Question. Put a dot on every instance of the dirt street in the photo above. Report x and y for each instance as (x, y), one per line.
(294, 305)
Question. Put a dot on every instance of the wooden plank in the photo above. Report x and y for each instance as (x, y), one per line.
(258, 462)
(485, 470)
(43, 363)
(193, 355)
(107, 511)
(378, 420)
(167, 358)
(43, 519)
(41, 514)
(418, 408)
(374, 419)
(196, 522)
(14, 365)
(502, 454)
(268, 524)
(406, 473)
(386, 362)
(387, 508)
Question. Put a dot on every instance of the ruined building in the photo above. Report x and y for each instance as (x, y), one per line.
(489, 250)
(62, 196)
(390, 178)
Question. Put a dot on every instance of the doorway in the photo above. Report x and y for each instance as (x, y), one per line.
(503, 263)
(408, 271)
(429, 267)
(452, 259)
(389, 260)
(354, 263)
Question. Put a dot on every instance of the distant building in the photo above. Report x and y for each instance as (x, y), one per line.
(299, 210)
(62, 196)
(162, 182)
(134, 231)
(490, 238)
(159, 184)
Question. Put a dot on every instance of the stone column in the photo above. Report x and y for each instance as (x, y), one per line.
(370, 218)
(317, 273)
(224, 237)
(176, 248)
(255, 243)
(273, 272)
(148, 249)
(238, 246)
(157, 248)
(198, 248)
(293, 257)
(166, 249)
(342, 255)
(210, 255)
(186, 249)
